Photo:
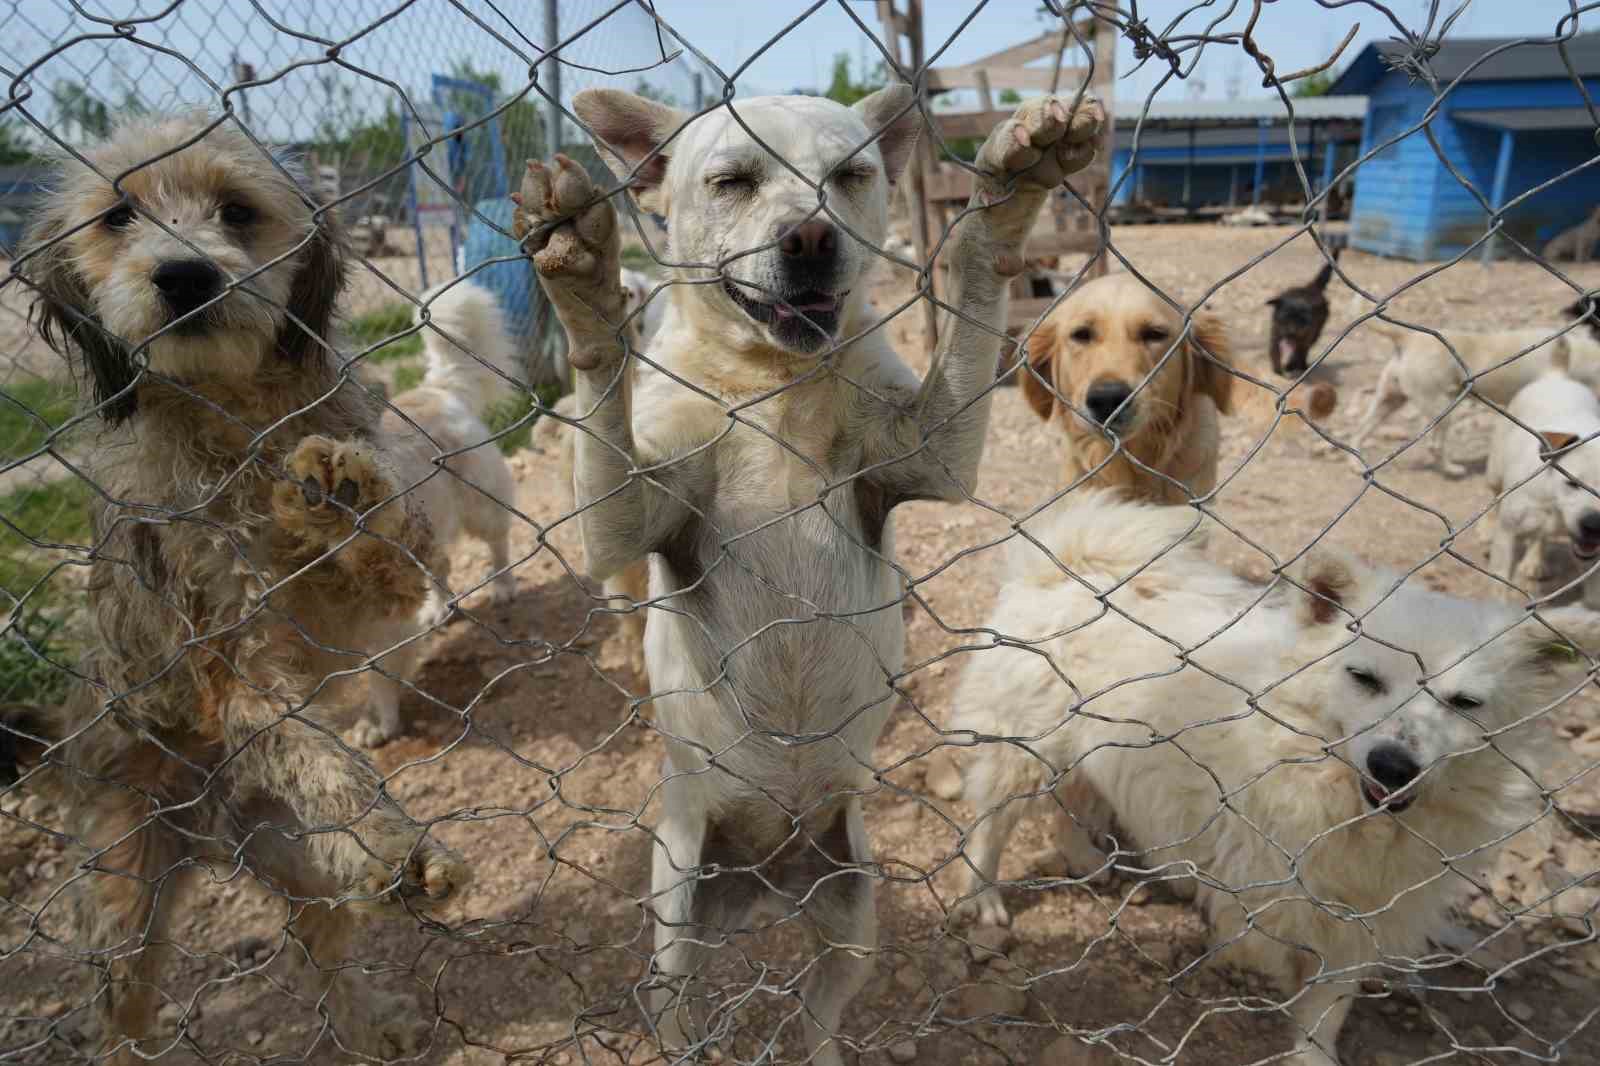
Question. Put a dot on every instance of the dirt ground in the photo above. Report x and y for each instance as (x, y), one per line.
(531, 738)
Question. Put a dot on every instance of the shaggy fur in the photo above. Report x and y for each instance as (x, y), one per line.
(770, 483)
(1137, 394)
(1424, 373)
(1546, 501)
(251, 541)
(1298, 315)
(1303, 782)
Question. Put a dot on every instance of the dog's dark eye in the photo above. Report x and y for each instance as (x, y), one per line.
(1082, 335)
(1366, 679)
(733, 183)
(238, 214)
(1152, 334)
(1464, 703)
(119, 217)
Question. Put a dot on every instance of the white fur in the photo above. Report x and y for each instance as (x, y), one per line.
(1249, 776)
(1543, 502)
(469, 358)
(1424, 373)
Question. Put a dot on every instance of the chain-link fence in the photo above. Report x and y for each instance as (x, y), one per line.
(360, 697)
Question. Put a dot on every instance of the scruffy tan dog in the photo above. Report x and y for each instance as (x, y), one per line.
(1141, 395)
(761, 490)
(251, 533)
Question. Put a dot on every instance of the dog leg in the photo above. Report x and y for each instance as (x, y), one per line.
(1386, 401)
(847, 920)
(355, 832)
(571, 233)
(998, 774)
(1318, 1016)
(933, 452)
(126, 911)
(633, 585)
(1505, 556)
(1441, 448)
(681, 944)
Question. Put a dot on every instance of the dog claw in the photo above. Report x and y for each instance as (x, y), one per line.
(312, 492)
(347, 493)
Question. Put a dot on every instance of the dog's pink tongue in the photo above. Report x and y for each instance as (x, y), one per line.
(1285, 349)
(824, 305)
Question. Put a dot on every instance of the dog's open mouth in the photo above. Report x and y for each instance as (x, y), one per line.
(1585, 548)
(802, 313)
(1378, 797)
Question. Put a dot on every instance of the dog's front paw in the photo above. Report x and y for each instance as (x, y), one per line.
(570, 231)
(331, 483)
(985, 908)
(431, 873)
(1047, 140)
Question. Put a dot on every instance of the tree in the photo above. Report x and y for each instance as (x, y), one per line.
(1314, 85)
(1010, 97)
(14, 145)
(846, 89)
(651, 92)
(75, 106)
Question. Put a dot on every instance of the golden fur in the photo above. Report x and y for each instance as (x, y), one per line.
(1116, 329)
(252, 536)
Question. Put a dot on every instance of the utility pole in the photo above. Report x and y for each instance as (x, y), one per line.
(552, 77)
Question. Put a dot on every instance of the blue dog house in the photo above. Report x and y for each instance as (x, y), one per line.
(1514, 121)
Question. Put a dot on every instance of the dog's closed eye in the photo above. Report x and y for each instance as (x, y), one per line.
(119, 217)
(1462, 702)
(1154, 334)
(732, 182)
(1367, 680)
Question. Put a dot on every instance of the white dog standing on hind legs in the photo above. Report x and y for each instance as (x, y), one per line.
(776, 513)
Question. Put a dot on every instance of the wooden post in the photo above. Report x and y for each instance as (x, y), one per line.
(910, 26)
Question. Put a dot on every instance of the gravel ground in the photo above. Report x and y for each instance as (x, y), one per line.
(541, 957)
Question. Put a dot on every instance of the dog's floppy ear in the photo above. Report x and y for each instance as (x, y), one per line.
(315, 292)
(889, 110)
(1325, 583)
(627, 129)
(1211, 353)
(1275, 301)
(1554, 647)
(68, 324)
(1041, 349)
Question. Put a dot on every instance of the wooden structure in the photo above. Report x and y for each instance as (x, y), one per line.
(939, 189)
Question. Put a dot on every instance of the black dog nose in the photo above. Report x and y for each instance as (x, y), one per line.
(815, 239)
(1104, 398)
(187, 283)
(1589, 525)
(1392, 767)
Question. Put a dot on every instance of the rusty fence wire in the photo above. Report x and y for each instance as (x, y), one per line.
(405, 659)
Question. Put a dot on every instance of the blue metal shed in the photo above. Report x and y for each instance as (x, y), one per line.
(1199, 153)
(1508, 123)
(20, 187)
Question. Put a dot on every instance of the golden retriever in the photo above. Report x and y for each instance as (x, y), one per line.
(1140, 414)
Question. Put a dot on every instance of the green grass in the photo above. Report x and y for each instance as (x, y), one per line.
(637, 258)
(407, 377)
(387, 321)
(512, 410)
(22, 406)
(53, 513)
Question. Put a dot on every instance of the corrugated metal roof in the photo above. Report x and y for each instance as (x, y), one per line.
(1524, 62)
(1528, 118)
(1218, 111)
(1245, 137)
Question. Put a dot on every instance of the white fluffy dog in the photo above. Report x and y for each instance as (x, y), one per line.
(470, 364)
(1547, 499)
(1328, 787)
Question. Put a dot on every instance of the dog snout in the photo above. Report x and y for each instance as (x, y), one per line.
(185, 284)
(1392, 766)
(815, 239)
(1589, 525)
(1104, 398)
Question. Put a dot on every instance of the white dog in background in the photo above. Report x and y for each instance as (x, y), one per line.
(470, 365)
(1312, 819)
(1423, 372)
(771, 483)
(1547, 499)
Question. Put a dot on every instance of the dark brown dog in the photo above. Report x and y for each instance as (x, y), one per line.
(1298, 316)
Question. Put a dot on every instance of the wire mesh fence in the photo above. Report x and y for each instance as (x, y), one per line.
(363, 695)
